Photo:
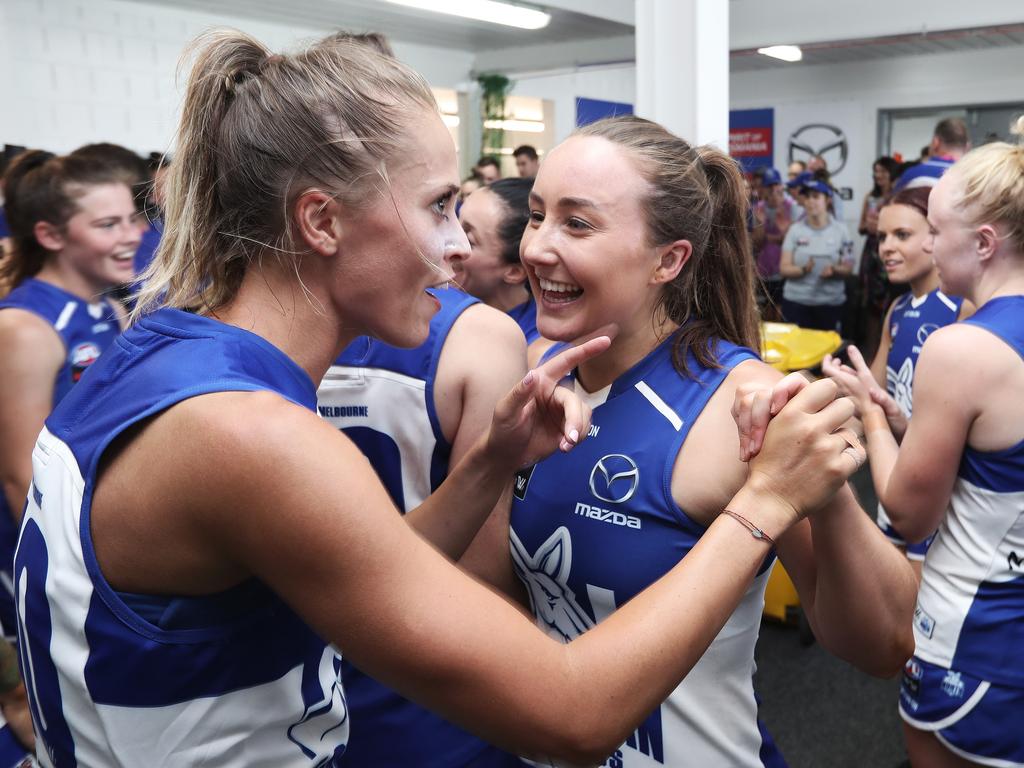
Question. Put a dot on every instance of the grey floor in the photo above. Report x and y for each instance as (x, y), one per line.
(821, 711)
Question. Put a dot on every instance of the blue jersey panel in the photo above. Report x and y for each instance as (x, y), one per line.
(1000, 471)
(378, 395)
(235, 679)
(525, 316)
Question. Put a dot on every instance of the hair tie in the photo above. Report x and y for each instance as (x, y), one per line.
(233, 79)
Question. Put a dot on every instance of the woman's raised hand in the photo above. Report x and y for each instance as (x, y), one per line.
(539, 416)
(806, 456)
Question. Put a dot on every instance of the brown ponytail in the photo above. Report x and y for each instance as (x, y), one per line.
(257, 130)
(697, 195)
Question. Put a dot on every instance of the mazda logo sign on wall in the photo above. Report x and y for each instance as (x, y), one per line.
(823, 139)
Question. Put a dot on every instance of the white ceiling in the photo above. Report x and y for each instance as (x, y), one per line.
(587, 32)
(841, 51)
(411, 25)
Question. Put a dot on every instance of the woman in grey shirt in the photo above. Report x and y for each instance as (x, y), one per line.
(815, 259)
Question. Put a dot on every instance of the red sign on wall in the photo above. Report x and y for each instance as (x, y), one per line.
(750, 142)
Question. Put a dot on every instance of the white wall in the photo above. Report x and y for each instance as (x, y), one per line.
(79, 71)
(617, 83)
(855, 91)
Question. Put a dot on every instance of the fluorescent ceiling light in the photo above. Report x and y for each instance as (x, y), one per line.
(484, 10)
(521, 126)
(784, 52)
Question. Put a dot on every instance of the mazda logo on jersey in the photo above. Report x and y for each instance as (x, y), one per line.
(614, 478)
(925, 331)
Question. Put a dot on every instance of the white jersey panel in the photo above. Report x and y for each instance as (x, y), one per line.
(977, 543)
(402, 397)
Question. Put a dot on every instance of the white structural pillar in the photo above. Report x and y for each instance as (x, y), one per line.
(682, 67)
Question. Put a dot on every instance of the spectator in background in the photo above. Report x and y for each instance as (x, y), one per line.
(949, 144)
(876, 292)
(488, 168)
(494, 219)
(773, 214)
(527, 161)
(817, 163)
(815, 260)
(795, 169)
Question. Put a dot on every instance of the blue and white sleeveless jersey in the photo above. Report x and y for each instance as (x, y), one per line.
(912, 320)
(525, 316)
(233, 679)
(592, 528)
(85, 329)
(383, 398)
(970, 608)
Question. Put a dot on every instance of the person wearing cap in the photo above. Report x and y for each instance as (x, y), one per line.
(816, 257)
(773, 214)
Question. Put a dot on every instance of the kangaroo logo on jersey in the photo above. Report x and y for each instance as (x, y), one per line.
(901, 384)
(324, 725)
(614, 478)
(82, 356)
(546, 576)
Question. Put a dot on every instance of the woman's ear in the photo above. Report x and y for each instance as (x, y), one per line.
(49, 236)
(673, 258)
(988, 241)
(317, 222)
(514, 274)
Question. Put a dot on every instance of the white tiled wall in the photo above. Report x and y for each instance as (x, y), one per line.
(79, 71)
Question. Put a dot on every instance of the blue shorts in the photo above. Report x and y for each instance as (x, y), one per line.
(914, 551)
(976, 719)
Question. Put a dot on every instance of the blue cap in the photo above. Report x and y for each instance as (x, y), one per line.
(800, 180)
(771, 177)
(814, 185)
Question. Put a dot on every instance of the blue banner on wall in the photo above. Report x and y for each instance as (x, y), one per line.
(591, 110)
(752, 137)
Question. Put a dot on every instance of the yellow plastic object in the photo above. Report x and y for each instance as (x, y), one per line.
(787, 347)
(780, 595)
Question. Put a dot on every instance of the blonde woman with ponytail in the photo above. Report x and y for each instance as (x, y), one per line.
(632, 226)
(199, 547)
(960, 468)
